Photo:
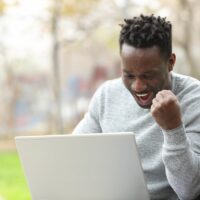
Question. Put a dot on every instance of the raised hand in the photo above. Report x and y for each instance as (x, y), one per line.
(166, 110)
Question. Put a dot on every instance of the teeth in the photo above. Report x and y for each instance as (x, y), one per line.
(142, 95)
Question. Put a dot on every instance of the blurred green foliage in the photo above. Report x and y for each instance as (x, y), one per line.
(13, 185)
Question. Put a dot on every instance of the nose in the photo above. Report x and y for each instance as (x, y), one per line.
(138, 85)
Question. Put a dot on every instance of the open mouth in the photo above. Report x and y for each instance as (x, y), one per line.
(145, 99)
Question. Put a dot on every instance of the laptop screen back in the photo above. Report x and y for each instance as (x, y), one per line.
(82, 167)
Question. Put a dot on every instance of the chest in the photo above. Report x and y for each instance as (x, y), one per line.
(148, 134)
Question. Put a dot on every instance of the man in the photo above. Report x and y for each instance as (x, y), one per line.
(161, 107)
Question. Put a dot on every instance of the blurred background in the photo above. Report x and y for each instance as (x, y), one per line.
(55, 53)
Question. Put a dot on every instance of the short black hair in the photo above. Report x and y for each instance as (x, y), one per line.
(147, 31)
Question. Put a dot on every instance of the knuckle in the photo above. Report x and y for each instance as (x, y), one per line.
(154, 102)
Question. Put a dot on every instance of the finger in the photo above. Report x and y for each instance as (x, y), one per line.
(169, 96)
(155, 101)
(160, 96)
(156, 104)
(167, 93)
(165, 97)
(154, 110)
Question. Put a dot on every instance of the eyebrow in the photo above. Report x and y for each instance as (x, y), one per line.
(147, 72)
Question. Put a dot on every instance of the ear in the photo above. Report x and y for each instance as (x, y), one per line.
(171, 62)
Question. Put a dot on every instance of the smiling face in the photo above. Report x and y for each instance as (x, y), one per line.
(145, 72)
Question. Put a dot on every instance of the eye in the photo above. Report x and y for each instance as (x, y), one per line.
(129, 76)
(148, 76)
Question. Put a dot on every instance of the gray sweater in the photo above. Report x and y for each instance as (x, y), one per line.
(170, 159)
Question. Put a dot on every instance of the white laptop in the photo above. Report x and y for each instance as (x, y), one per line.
(82, 167)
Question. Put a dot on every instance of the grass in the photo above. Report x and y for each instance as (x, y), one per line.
(13, 185)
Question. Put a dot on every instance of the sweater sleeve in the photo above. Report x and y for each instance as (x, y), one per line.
(181, 163)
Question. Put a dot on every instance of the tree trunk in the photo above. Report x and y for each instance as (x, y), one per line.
(57, 115)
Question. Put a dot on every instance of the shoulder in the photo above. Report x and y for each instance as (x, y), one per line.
(114, 83)
(187, 89)
(184, 86)
(108, 96)
(110, 93)
(111, 88)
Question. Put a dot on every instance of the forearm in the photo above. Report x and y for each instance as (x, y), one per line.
(181, 164)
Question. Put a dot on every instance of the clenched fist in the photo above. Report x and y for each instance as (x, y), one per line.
(166, 110)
